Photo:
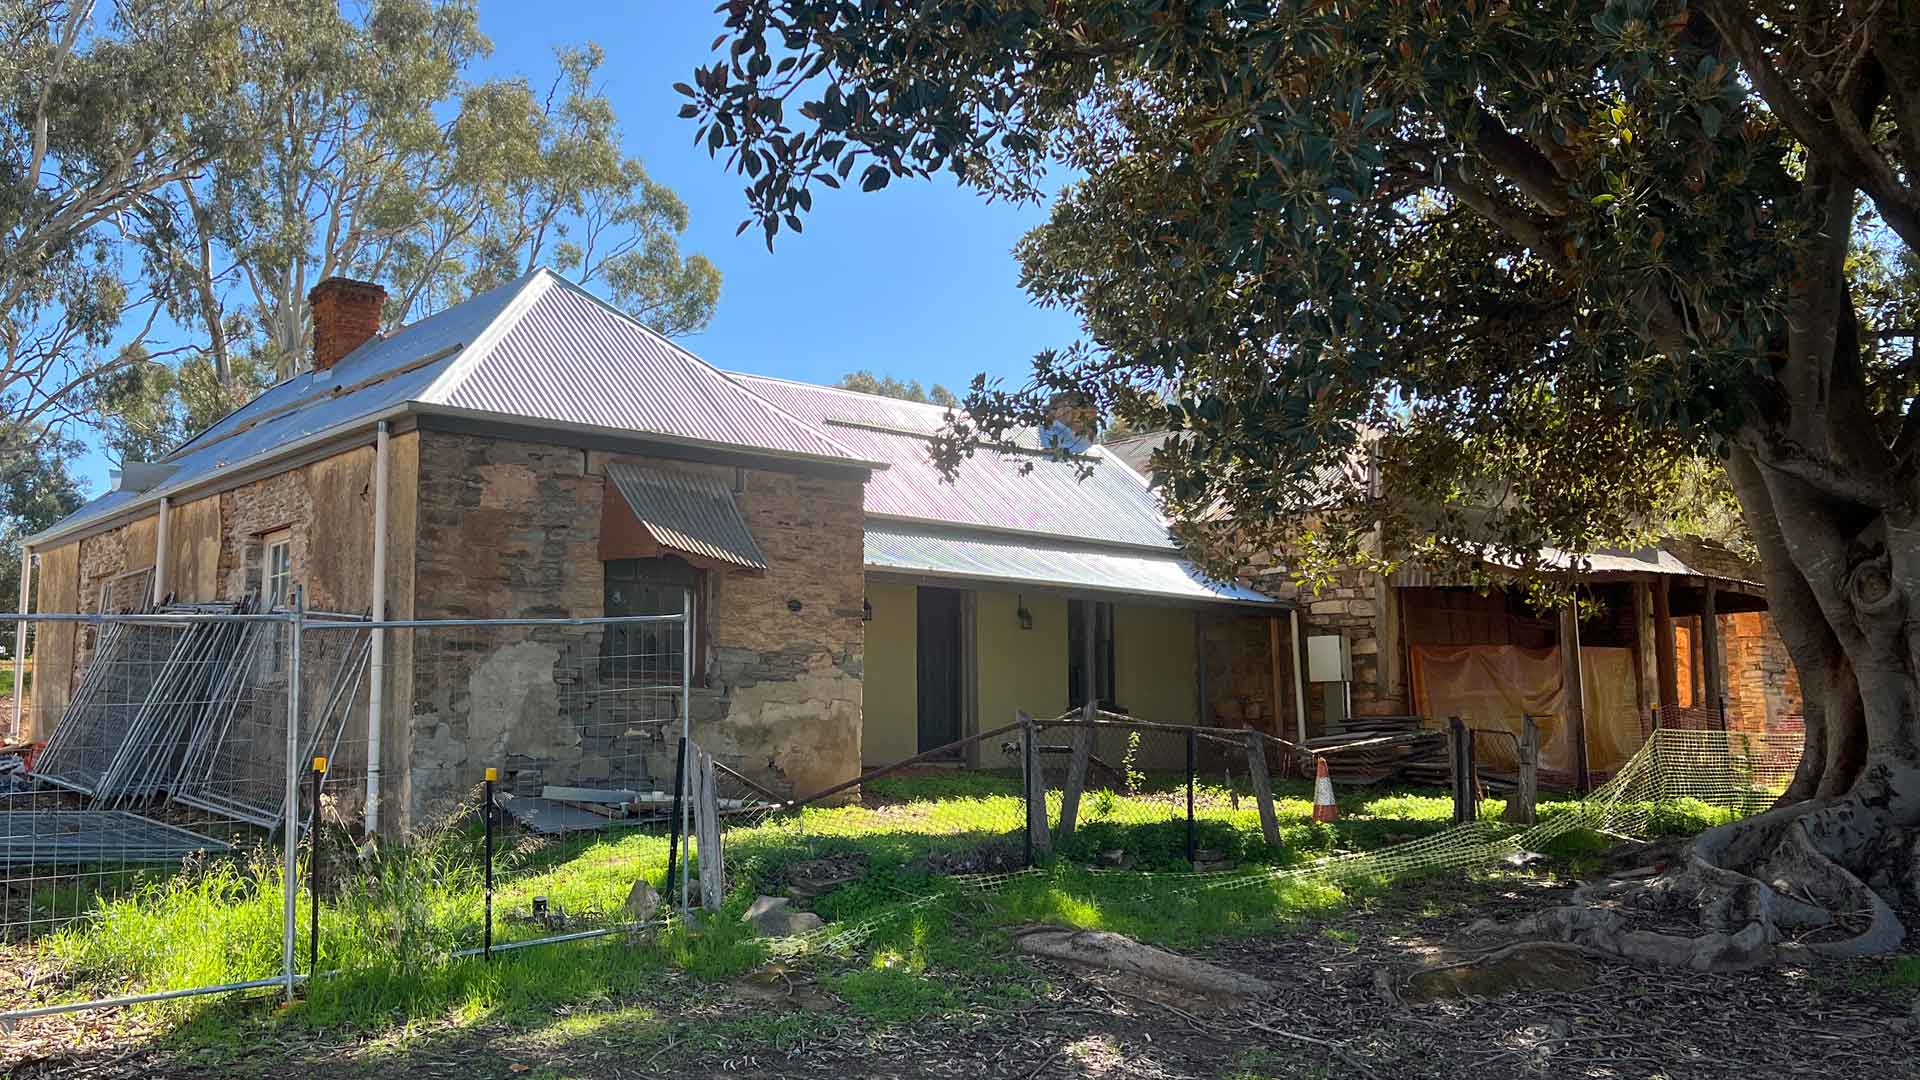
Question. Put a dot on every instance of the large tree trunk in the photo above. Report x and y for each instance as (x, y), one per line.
(1832, 508)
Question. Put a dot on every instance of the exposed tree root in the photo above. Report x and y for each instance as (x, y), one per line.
(1762, 890)
(1117, 952)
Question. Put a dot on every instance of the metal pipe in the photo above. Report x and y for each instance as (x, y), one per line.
(376, 693)
(1299, 677)
(1193, 747)
(8, 1018)
(290, 831)
(433, 624)
(673, 833)
(486, 815)
(19, 725)
(313, 871)
(182, 618)
(160, 553)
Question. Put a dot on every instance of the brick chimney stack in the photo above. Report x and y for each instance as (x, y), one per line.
(346, 313)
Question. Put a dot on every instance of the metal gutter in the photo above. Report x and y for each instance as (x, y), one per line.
(160, 554)
(1072, 587)
(377, 647)
(20, 640)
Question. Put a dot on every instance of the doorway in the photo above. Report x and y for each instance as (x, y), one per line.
(938, 667)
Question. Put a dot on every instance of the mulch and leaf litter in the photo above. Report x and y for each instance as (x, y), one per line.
(1337, 1013)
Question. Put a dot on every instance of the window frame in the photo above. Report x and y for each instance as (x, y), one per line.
(670, 572)
(279, 540)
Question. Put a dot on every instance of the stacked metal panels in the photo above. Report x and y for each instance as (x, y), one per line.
(195, 710)
(236, 763)
(47, 837)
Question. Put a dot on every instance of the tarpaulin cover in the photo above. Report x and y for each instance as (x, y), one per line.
(1492, 687)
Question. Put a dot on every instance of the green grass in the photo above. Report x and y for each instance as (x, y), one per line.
(392, 922)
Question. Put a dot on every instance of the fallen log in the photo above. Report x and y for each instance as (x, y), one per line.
(1117, 952)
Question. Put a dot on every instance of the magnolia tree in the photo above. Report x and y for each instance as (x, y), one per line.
(1537, 257)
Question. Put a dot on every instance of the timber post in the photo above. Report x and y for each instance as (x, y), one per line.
(1262, 786)
(1077, 770)
(1039, 842)
(1522, 809)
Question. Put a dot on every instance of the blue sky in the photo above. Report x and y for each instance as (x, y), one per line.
(917, 280)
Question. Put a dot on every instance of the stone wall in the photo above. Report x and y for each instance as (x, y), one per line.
(213, 551)
(510, 529)
(1359, 607)
(1763, 688)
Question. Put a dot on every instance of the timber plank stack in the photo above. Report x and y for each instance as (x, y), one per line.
(1378, 749)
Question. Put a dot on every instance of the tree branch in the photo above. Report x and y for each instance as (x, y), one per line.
(1835, 138)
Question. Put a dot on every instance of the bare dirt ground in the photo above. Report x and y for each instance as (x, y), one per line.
(1331, 1018)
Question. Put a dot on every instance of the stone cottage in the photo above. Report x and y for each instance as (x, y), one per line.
(534, 453)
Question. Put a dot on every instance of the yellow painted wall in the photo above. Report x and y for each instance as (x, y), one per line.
(1019, 669)
(1154, 678)
(890, 727)
(1027, 669)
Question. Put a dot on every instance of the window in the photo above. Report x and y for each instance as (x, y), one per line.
(278, 568)
(1102, 652)
(276, 588)
(650, 652)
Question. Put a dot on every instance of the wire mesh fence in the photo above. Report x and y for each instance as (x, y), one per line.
(221, 770)
(136, 778)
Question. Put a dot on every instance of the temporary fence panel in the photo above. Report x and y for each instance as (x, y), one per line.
(103, 826)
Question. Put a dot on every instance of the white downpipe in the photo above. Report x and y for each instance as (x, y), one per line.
(1299, 677)
(686, 733)
(160, 553)
(20, 642)
(377, 649)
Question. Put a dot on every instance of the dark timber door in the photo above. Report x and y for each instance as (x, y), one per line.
(938, 666)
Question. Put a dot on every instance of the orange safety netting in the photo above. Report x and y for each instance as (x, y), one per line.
(1491, 687)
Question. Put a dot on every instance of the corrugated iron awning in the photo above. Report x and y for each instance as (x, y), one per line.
(907, 548)
(691, 515)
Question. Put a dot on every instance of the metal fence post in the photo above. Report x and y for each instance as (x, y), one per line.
(290, 829)
(313, 872)
(673, 834)
(486, 817)
(1193, 755)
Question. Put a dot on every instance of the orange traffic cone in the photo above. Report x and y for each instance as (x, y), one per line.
(1324, 808)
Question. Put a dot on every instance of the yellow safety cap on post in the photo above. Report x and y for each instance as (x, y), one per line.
(493, 774)
(319, 764)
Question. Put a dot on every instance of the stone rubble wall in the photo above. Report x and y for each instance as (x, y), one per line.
(510, 529)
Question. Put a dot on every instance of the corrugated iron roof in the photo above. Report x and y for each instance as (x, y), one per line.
(538, 348)
(910, 548)
(568, 357)
(1030, 492)
(1649, 560)
(693, 515)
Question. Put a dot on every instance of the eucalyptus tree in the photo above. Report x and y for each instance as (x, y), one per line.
(365, 146)
(100, 116)
(1537, 257)
(373, 152)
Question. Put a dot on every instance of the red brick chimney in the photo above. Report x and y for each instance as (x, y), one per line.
(346, 313)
